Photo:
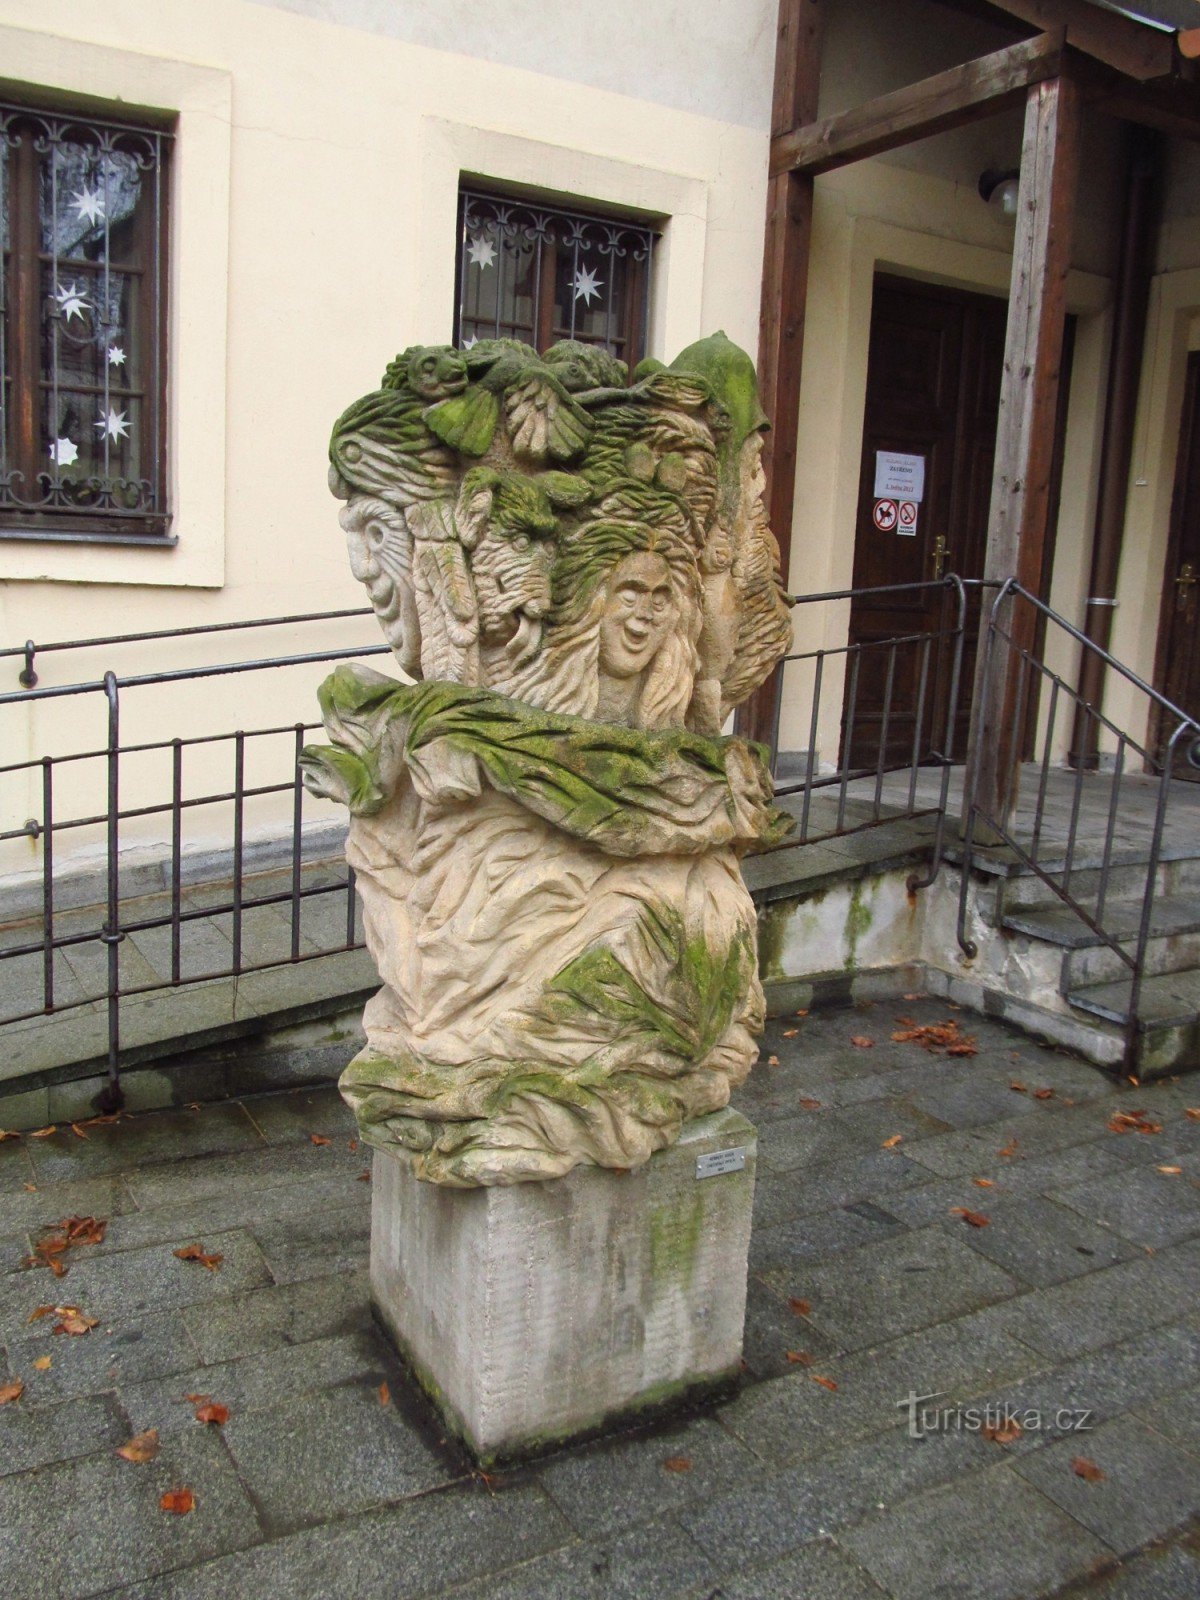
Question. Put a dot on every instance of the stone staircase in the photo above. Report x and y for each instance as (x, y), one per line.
(1096, 978)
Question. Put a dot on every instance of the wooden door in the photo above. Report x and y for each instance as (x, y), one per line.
(933, 388)
(1179, 636)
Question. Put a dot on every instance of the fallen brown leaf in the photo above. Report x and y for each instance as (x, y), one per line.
(790, 1033)
(11, 1391)
(78, 1131)
(802, 1012)
(1193, 1112)
(772, 1061)
(973, 1219)
(213, 1413)
(860, 1041)
(1018, 1087)
(1043, 1094)
(352, 1146)
(42, 1363)
(44, 1133)
(800, 1307)
(1010, 1149)
(1171, 1172)
(890, 1144)
(8, 1133)
(1005, 1432)
(39, 1312)
(1088, 1470)
(196, 1252)
(983, 1183)
(385, 1394)
(826, 1383)
(365, 1175)
(809, 1104)
(914, 997)
(798, 1358)
(30, 1188)
(72, 1320)
(142, 1447)
(1133, 1122)
(678, 1464)
(963, 1047)
(180, 1501)
(319, 1138)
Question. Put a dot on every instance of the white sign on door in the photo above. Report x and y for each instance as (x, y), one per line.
(899, 477)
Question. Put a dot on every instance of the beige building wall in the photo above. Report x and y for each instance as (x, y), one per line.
(313, 236)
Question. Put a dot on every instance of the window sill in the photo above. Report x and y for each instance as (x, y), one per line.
(150, 533)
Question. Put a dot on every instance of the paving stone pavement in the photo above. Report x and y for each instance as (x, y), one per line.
(1075, 1304)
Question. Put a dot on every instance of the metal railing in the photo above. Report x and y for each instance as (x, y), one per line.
(909, 721)
(1067, 864)
(80, 792)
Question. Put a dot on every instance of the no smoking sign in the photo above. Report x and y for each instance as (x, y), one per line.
(896, 516)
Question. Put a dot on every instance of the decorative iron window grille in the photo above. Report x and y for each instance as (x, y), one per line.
(83, 227)
(539, 274)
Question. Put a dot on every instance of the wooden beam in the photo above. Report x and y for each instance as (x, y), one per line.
(934, 105)
(1025, 433)
(1172, 106)
(782, 306)
(1134, 48)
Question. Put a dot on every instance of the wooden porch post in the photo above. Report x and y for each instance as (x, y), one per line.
(784, 292)
(1025, 432)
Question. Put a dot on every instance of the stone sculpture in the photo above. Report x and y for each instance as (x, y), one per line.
(546, 825)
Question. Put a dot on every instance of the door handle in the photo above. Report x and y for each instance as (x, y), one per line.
(1184, 584)
(940, 553)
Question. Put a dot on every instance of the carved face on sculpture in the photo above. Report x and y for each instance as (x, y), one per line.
(639, 611)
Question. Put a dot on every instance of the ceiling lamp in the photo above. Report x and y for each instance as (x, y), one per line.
(1000, 189)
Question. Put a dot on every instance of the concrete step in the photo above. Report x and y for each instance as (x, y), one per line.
(1169, 1016)
(1175, 876)
(1173, 944)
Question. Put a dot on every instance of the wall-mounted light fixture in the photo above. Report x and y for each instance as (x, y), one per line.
(999, 189)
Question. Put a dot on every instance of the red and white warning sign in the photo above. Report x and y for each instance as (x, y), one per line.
(885, 515)
(906, 516)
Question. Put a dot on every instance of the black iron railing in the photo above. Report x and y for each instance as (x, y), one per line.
(1079, 874)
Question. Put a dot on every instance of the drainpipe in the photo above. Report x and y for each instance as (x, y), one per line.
(1134, 272)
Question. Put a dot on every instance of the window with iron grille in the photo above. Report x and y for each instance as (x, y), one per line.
(82, 327)
(531, 272)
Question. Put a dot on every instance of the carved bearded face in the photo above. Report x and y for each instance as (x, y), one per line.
(637, 616)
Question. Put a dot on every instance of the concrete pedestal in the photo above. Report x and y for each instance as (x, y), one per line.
(543, 1310)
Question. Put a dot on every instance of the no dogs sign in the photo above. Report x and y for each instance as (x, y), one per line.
(885, 515)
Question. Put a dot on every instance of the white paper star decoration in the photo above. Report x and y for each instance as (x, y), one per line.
(587, 285)
(115, 424)
(89, 204)
(116, 356)
(469, 344)
(63, 453)
(72, 301)
(482, 252)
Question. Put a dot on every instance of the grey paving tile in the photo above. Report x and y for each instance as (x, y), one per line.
(1150, 1484)
(1156, 1574)
(1042, 1243)
(1102, 1308)
(367, 1455)
(110, 1528)
(1177, 1415)
(298, 1114)
(773, 1513)
(899, 1284)
(1026, 1174)
(252, 1209)
(990, 1537)
(130, 1282)
(129, 1350)
(273, 1317)
(654, 1559)
(1145, 1206)
(794, 1417)
(606, 1487)
(1048, 1129)
(777, 1251)
(36, 1436)
(411, 1550)
(16, 1169)
(873, 1176)
(773, 1329)
(198, 1179)
(267, 1379)
(819, 1570)
(50, 1203)
(315, 1246)
(136, 1141)
(811, 1139)
(969, 1099)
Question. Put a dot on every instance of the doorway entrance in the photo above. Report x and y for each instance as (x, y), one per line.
(934, 369)
(1178, 636)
